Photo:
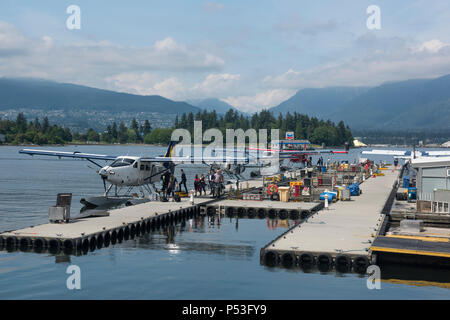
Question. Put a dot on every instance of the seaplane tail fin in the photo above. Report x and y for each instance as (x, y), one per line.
(169, 152)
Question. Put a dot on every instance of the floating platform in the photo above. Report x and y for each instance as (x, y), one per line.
(339, 236)
(82, 235)
(263, 209)
(430, 246)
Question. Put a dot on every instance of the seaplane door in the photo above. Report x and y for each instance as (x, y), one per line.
(144, 169)
(148, 169)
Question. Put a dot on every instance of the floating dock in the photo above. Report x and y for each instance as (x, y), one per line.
(340, 235)
(263, 209)
(82, 235)
(424, 245)
(110, 227)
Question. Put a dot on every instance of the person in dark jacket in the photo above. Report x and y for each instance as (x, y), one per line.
(202, 184)
(165, 181)
(183, 181)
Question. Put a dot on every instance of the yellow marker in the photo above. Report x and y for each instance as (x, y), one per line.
(429, 239)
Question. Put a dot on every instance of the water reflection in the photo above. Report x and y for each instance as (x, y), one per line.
(169, 238)
(410, 275)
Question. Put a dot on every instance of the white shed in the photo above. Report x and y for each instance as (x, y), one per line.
(433, 178)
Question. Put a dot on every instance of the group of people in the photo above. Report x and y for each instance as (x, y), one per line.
(215, 183)
(170, 183)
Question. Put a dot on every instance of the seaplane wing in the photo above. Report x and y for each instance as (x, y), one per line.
(408, 153)
(294, 153)
(436, 153)
(207, 160)
(62, 154)
(387, 152)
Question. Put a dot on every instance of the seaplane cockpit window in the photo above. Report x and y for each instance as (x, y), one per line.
(147, 167)
(123, 162)
(142, 167)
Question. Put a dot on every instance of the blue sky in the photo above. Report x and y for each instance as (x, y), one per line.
(252, 54)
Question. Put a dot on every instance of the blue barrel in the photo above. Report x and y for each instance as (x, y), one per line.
(406, 182)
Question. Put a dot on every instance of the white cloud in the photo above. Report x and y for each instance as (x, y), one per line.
(12, 42)
(146, 83)
(261, 100)
(91, 62)
(395, 62)
(183, 71)
(167, 44)
(216, 85)
(432, 46)
(213, 6)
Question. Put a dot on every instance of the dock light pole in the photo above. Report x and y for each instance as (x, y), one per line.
(192, 197)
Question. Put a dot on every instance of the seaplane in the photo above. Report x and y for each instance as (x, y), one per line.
(130, 172)
(288, 150)
(269, 161)
(124, 172)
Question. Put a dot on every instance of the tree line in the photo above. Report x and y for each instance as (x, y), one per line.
(22, 131)
(317, 131)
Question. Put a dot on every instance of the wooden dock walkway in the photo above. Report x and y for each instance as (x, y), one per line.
(94, 232)
(340, 235)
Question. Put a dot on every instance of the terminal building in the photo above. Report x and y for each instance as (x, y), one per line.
(433, 179)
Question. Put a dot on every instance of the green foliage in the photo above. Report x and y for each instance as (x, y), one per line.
(23, 132)
(92, 136)
(159, 135)
(317, 131)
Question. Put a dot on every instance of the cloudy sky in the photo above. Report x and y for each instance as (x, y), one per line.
(251, 54)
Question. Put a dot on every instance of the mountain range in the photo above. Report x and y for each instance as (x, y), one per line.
(403, 105)
(47, 95)
(411, 104)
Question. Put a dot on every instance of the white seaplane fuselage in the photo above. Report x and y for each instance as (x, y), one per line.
(131, 171)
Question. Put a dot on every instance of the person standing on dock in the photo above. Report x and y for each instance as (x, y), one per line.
(211, 178)
(183, 181)
(202, 184)
(197, 185)
(218, 182)
(165, 181)
(171, 186)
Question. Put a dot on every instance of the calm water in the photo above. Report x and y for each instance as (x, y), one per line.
(196, 260)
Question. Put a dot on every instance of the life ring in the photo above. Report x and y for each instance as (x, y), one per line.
(272, 188)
